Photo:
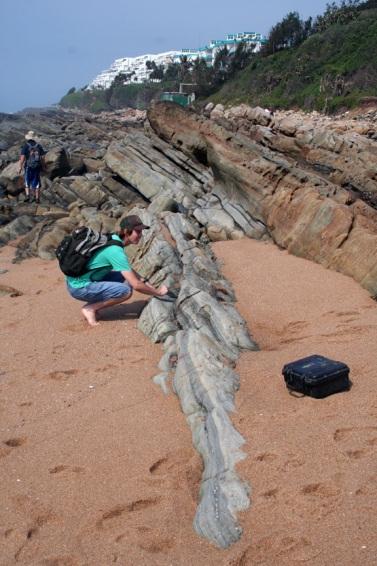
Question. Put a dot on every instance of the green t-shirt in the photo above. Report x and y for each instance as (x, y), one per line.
(112, 258)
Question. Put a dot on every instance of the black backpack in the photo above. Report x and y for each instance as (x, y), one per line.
(75, 250)
(34, 158)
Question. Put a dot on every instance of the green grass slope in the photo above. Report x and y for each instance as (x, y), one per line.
(329, 71)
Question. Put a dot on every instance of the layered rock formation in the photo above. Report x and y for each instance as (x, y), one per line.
(306, 182)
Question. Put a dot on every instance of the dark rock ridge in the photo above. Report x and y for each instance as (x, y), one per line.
(306, 182)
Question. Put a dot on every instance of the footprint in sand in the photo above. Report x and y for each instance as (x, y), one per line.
(270, 493)
(347, 313)
(175, 467)
(10, 291)
(62, 375)
(368, 488)
(61, 561)
(61, 468)
(155, 544)
(37, 517)
(15, 442)
(295, 326)
(266, 457)
(356, 442)
(149, 540)
(320, 490)
(158, 467)
(274, 548)
(293, 462)
(320, 498)
(176, 461)
(120, 510)
(292, 332)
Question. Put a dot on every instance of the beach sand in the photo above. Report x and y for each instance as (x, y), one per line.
(97, 464)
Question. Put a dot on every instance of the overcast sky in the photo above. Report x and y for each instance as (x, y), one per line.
(49, 46)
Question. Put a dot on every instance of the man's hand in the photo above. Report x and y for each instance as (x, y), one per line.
(163, 290)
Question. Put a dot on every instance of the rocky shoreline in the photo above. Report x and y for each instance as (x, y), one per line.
(306, 183)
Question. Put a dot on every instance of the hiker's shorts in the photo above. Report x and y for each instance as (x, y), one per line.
(112, 286)
(32, 178)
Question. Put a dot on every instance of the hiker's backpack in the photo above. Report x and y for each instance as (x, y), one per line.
(76, 249)
(34, 159)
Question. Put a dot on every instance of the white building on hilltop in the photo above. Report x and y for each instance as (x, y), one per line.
(136, 71)
(231, 41)
(134, 67)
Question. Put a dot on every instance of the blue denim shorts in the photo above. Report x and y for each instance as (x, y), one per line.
(32, 178)
(112, 286)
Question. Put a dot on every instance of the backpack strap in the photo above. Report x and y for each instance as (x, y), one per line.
(110, 242)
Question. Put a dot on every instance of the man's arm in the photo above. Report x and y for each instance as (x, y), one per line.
(21, 163)
(145, 288)
(143, 279)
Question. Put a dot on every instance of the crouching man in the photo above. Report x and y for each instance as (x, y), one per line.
(110, 280)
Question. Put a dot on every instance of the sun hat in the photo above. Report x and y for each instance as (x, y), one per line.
(132, 222)
(30, 135)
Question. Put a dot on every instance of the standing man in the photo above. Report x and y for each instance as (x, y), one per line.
(32, 161)
(110, 279)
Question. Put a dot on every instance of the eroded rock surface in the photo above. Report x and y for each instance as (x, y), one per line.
(308, 183)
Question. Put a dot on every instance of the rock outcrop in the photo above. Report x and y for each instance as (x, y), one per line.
(310, 187)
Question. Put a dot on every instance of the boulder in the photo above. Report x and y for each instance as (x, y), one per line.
(57, 163)
(11, 179)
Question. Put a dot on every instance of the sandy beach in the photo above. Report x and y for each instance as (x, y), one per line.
(97, 464)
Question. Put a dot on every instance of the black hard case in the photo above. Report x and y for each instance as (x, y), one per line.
(316, 376)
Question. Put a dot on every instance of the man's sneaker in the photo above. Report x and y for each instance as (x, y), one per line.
(37, 200)
(26, 199)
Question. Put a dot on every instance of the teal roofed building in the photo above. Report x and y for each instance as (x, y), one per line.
(208, 52)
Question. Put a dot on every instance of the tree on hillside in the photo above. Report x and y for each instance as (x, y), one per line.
(221, 65)
(202, 77)
(184, 69)
(241, 57)
(347, 11)
(122, 78)
(157, 70)
(171, 73)
(290, 32)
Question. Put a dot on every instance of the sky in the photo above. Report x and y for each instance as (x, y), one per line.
(49, 46)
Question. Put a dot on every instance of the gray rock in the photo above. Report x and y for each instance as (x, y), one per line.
(197, 309)
(205, 384)
(16, 228)
(162, 381)
(157, 320)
